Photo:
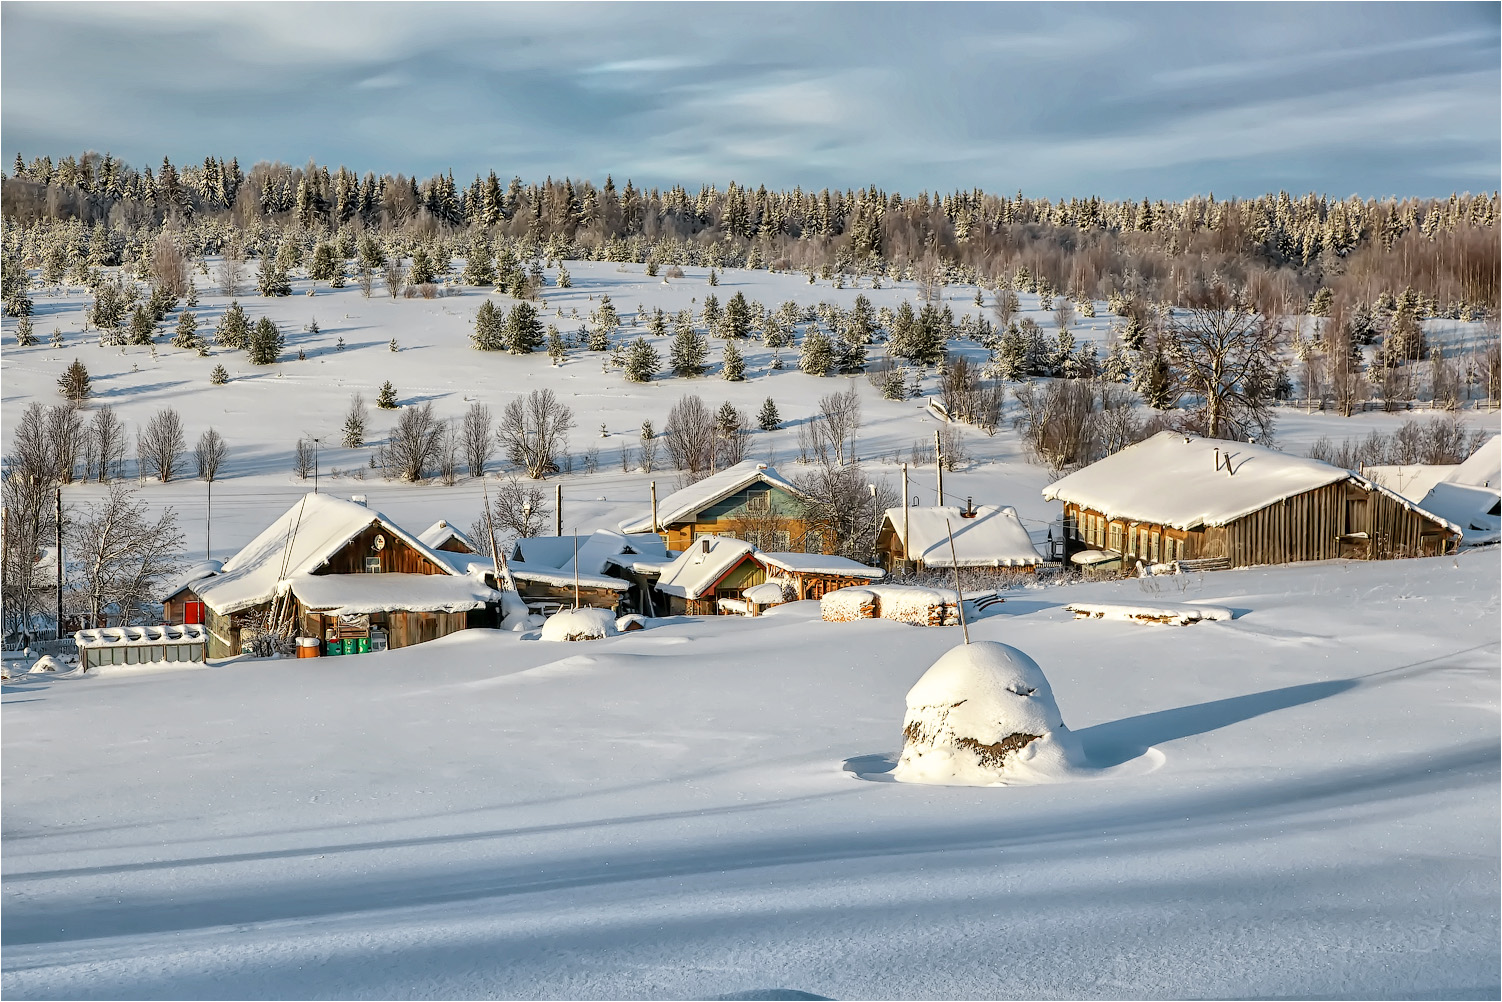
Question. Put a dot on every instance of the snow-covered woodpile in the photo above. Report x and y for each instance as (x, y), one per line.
(1172, 614)
(901, 603)
(580, 624)
(984, 714)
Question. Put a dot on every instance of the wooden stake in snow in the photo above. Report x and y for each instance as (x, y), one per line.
(557, 509)
(959, 595)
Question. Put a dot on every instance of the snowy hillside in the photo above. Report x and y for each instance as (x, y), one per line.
(1301, 801)
(263, 410)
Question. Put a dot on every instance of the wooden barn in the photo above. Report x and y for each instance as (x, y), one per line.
(336, 571)
(1211, 503)
(749, 501)
(986, 537)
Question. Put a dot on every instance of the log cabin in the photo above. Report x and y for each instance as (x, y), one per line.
(750, 501)
(1208, 503)
(337, 571)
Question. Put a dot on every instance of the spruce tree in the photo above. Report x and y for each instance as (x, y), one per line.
(737, 319)
(1153, 377)
(219, 376)
(686, 355)
(322, 268)
(25, 334)
(714, 279)
(727, 420)
(74, 382)
(57, 337)
(768, 419)
(187, 332)
(386, 398)
(488, 334)
(353, 433)
(564, 281)
(141, 327)
(557, 347)
(733, 367)
(1117, 368)
(423, 267)
(479, 264)
(265, 345)
(657, 326)
(273, 280)
(394, 346)
(710, 316)
(818, 354)
(524, 333)
(642, 361)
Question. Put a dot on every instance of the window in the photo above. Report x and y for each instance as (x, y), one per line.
(758, 500)
(813, 542)
(372, 565)
(1115, 538)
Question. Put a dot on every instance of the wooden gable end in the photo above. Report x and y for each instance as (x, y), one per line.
(393, 555)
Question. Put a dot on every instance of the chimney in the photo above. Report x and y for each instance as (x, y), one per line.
(969, 511)
(358, 499)
(761, 466)
(704, 545)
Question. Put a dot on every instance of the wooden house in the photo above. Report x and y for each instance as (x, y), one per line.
(1178, 497)
(714, 568)
(986, 537)
(749, 501)
(335, 570)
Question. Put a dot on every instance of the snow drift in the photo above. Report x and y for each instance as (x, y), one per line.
(985, 715)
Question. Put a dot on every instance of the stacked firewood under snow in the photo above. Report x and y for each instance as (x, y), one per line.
(903, 603)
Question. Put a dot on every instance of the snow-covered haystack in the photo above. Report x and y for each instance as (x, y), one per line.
(579, 624)
(985, 715)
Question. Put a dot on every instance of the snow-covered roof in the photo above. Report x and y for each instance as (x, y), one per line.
(819, 563)
(695, 571)
(441, 531)
(193, 572)
(297, 543)
(698, 496)
(522, 571)
(995, 537)
(1477, 511)
(1185, 481)
(1412, 481)
(353, 594)
(595, 549)
(1483, 468)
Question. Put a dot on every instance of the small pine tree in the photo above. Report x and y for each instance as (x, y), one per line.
(487, 335)
(234, 328)
(187, 332)
(302, 356)
(776, 361)
(57, 337)
(386, 398)
(818, 354)
(651, 267)
(339, 344)
(727, 421)
(393, 345)
(266, 342)
(74, 382)
(313, 326)
(557, 347)
(564, 281)
(25, 335)
(523, 332)
(642, 361)
(141, 327)
(768, 419)
(733, 367)
(714, 279)
(710, 315)
(1320, 305)
(219, 376)
(979, 300)
(353, 435)
(686, 355)
(273, 280)
(1117, 368)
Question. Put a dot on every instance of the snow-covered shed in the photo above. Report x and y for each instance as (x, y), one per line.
(714, 568)
(810, 575)
(547, 568)
(443, 535)
(985, 536)
(1233, 504)
(334, 569)
(749, 500)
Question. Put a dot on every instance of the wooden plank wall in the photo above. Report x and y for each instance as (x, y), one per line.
(396, 556)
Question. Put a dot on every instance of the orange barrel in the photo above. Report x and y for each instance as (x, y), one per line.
(307, 647)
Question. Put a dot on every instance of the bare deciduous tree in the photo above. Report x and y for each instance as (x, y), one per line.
(414, 443)
(841, 413)
(160, 444)
(840, 510)
(106, 444)
(209, 455)
(533, 430)
(479, 439)
(169, 269)
(65, 436)
(1226, 354)
(302, 458)
(518, 511)
(450, 445)
(1071, 422)
(231, 270)
(122, 555)
(690, 436)
(393, 273)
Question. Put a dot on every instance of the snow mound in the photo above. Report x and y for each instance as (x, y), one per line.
(767, 593)
(47, 663)
(1177, 615)
(579, 624)
(984, 715)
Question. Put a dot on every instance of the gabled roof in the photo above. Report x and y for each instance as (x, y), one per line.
(1185, 481)
(1476, 510)
(546, 558)
(995, 537)
(299, 542)
(695, 571)
(1483, 468)
(698, 496)
(441, 531)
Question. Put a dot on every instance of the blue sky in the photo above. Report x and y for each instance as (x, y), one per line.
(1117, 100)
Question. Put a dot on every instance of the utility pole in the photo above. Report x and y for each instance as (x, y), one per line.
(557, 509)
(939, 464)
(315, 465)
(905, 505)
(208, 529)
(654, 506)
(59, 514)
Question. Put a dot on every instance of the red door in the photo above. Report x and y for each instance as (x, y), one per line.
(193, 612)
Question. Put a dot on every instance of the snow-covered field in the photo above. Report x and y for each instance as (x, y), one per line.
(1301, 801)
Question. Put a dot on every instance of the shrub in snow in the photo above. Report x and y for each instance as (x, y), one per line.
(984, 714)
(579, 624)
